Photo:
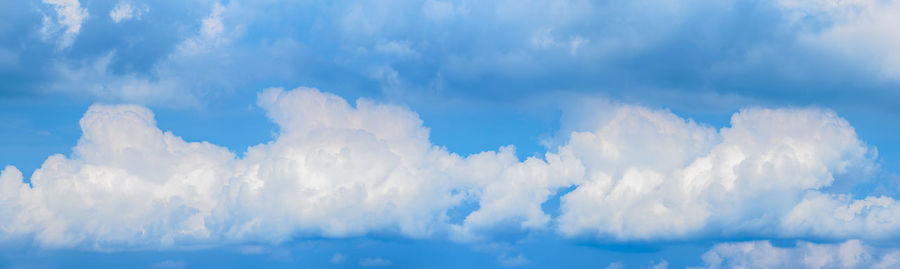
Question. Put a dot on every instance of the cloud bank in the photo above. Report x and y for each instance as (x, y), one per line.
(339, 170)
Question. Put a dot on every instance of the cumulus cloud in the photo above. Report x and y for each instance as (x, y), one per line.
(127, 182)
(840, 216)
(761, 254)
(68, 20)
(743, 178)
(339, 170)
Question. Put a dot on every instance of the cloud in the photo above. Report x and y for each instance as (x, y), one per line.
(700, 180)
(840, 216)
(168, 264)
(862, 31)
(685, 49)
(397, 48)
(513, 261)
(212, 33)
(338, 258)
(97, 79)
(374, 262)
(615, 265)
(339, 170)
(121, 190)
(761, 254)
(661, 265)
(124, 11)
(69, 17)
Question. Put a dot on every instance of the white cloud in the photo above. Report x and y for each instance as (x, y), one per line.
(340, 170)
(698, 177)
(615, 265)
(130, 184)
(335, 170)
(69, 17)
(124, 11)
(513, 261)
(544, 39)
(576, 43)
(863, 31)
(168, 264)
(96, 79)
(212, 33)
(840, 216)
(661, 265)
(761, 254)
(397, 48)
(338, 258)
(374, 262)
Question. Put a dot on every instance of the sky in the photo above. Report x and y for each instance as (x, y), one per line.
(450, 134)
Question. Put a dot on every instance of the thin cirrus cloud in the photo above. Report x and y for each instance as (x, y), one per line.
(340, 170)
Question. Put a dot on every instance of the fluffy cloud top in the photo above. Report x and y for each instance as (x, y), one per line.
(337, 170)
(744, 178)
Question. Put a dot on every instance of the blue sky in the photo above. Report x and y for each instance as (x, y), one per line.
(639, 134)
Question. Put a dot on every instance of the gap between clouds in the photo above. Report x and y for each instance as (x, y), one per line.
(340, 170)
